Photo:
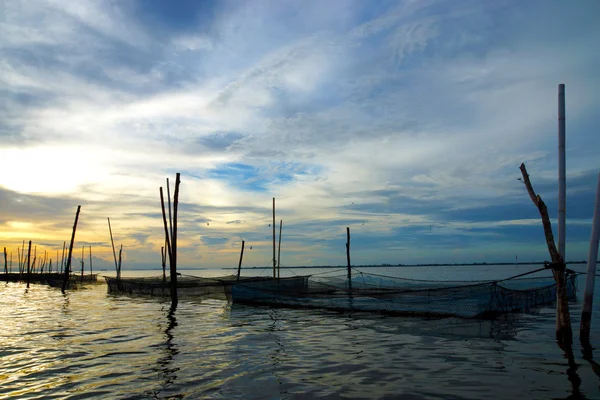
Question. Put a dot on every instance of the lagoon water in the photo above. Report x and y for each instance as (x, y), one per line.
(88, 344)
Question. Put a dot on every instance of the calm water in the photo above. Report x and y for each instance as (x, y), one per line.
(89, 344)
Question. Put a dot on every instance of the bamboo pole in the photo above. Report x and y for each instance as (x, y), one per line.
(590, 278)
(68, 266)
(174, 299)
(113, 248)
(82, 263)
(169, 203)
(564, 331)
(119, 266)
(562, 191)
(167, 236)
(163, 258)
(348, 257)
(91, 270)
(274, 259)
(240, 263)
(62, 260)
(279, 249)
(29, 264)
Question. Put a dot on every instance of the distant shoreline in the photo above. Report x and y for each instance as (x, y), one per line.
(411, 265)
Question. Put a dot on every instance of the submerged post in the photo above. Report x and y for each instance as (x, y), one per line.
(279, 249)
(240, 263)
(588, 296)
(29, 263)
(68, 265)
(348, 257)
(274, 259)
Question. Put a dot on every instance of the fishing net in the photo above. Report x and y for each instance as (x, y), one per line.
(392, 295)
(189, 285)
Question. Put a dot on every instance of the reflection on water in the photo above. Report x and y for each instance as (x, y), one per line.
(89, 344)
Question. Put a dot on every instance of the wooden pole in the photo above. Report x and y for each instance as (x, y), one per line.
(28, 264)
(590, 278)
(564, 332)
(348, 257)
(5, 262)
(163, 258)
(23, 257)
(113, 247)
(562, 191)
(68, 266)
(167, 232)
(62, 260)
(82, 262)
(50, 266)
(119, 266)
(169, 203)
(274, 259)
(174, 298)
(91, 270)
(34, 258)
(240, 263)
(19, 258)
(279, 249)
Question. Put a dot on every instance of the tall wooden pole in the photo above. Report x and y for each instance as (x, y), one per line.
(68, 265)
(279, 249)
(119, 265)
(240, 263)
(113, 247)
(274, 259)
(82, 262)
(29, 263)
(169, 203)
(564, 331)
(167, 235)
(174, 298)
(562, 191)
(62, 260)
(163, 258)
(590, 278)
(348, 257)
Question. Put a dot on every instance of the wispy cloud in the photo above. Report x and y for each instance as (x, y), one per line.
(404, 120)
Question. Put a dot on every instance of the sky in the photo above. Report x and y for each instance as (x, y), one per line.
(403, 120)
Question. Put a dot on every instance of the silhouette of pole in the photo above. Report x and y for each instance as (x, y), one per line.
(240, 263)
(348, 257)
(113, 247)
(588, 296)
(279, 249)
(68, 265)
(91, 270)
(174, 298)
(29, 264)
(5, 262)
(274, 259)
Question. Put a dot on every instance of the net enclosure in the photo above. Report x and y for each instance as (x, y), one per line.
(399, 296)
(189, 286)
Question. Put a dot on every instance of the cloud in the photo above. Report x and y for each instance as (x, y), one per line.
(405, 121)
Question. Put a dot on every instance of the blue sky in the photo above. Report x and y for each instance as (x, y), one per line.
(405, 120)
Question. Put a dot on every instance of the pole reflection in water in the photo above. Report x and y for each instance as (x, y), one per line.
(165, 363)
